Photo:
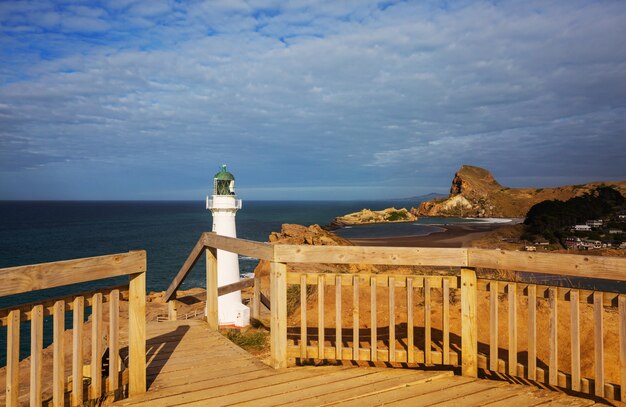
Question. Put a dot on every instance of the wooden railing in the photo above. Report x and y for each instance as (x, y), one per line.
(70, 389)
(406, 338)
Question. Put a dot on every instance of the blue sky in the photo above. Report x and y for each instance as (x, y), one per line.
(128, 99)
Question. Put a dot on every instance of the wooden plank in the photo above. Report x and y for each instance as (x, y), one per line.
(622, 346)
(278, 315)
(409, 321)
(575, 339)
(532, 332)
(58, 369)
(36, 355)
(446, 322)
(257, 250)
(493, 326)
(321, 310)
(598, 341)
(371, 255)
(114, 340)
(184, 270)
(303, 322)
(95, 388)
(35, 277)
(553, 339)
(78, 317)
(512, 287)
(338, 339)
(469, 326)
(427, 324)
(364, 278)
(373, 327)
(212, 315)
(137, 334)
(238, 286)
(13, 359)
(355, 319)
(256, 298)
(392, 320)
(612, 268)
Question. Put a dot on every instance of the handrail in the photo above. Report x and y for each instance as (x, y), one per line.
(572, 265)
(611, 268)
(22, 279)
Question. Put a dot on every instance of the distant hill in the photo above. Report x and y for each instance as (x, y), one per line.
(422, 198)
(476, 193)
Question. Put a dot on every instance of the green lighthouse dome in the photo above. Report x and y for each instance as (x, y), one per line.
(224, 175)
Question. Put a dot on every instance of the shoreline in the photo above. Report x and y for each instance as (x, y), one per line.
(452, 236)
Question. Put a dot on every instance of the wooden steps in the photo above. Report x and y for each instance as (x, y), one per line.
(192, 366)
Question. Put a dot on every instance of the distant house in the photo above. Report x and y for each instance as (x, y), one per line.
(541, 243)
(622, 245)
(582, 228)
(590, 244)
(594, 223)
(572, 242)
(615, 231)
(622, 216)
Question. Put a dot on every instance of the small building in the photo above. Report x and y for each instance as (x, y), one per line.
(615, 231)
(572, 242)
(541, 243)
(594, 223)
(590, 244)
(581, 228)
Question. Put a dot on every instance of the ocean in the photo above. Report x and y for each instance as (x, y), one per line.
(36, 232)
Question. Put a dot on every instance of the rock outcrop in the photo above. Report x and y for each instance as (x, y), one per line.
(476, 193)
(316, 236)
(366, 216)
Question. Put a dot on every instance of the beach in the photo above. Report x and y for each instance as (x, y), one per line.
(451, 235)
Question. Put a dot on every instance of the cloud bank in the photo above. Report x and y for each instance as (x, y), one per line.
(125, 99)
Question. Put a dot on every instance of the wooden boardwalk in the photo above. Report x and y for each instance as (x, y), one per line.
(190, 365)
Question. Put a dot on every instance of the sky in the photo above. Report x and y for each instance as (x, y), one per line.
(127, 99)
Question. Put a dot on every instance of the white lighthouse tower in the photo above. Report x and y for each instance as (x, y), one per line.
(224, 206)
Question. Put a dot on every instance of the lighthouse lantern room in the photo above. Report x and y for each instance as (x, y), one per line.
(224, 206)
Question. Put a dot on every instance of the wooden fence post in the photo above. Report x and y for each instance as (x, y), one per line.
(469, 329)
(211, 289)
(137, 333)
(278, 320)
(256, 299)
(172, 310)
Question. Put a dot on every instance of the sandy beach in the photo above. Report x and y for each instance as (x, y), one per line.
(456, 235)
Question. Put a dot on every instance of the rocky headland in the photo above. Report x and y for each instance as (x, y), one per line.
(476, 193)
(367, 216)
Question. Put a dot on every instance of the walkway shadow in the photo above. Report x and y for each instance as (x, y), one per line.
(159, 350)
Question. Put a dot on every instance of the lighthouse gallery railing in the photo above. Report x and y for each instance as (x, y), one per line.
(421, 309)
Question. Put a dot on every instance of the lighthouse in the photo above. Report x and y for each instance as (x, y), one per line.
(224, 206)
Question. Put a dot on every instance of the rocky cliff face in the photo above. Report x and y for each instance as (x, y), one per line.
(476, 193)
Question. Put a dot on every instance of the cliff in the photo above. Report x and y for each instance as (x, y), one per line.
(476, 193)
(368, 216)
